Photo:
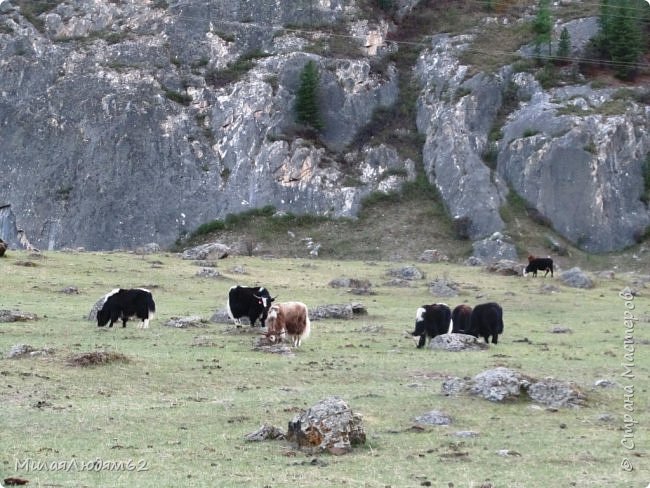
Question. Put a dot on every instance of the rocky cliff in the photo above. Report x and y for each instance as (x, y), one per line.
(126, 122)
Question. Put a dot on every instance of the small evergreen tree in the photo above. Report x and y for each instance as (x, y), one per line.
(543, 26)
(625, 46)
(621, 38)
(307, 108)
(564, 46)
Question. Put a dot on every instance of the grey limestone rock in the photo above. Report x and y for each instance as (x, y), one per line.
(328, 426)
(456, 342)
(576, 278)
(498, 385)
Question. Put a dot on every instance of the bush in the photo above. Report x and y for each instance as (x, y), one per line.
(178, 97)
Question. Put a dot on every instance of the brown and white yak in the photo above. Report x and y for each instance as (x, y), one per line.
(288, 318)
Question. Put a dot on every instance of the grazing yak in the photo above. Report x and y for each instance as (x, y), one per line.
(539, 264)
(3, 248)
(252, 302)
(290, 318)
(430, 321)
(460, 319)
(487, 320)
(124, 304)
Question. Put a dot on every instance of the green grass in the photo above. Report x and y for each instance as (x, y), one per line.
(183, 409)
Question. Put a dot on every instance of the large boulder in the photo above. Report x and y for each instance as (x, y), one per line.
(328, 426)
(554, 393)
(497, 247)
(576, 278)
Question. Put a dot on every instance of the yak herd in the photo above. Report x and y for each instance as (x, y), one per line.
(292, 318)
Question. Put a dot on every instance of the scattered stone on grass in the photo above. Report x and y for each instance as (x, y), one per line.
(70, 290)
(221, 317)
(558, 329)
(498, 385)
(22, 350)
(203, 341)
(603, 383)
(265, 432)
(208, 273)
(186, 322)
(16, 316)
(204, 263)
(349, 283)
(337, 311)
(606, 417)
(264, 344)
(398, 283)
(432, 256)
(362, 291)
(92, 315)
(508, 453)
(456, 342)
(504, 384)
(454, 386)
(553, 393)
(505, 267)
(443, 287)
(212, 250)
(371, 329)
(466, 434)
(238, 270)
(27, 264)
(406, 273)
(434, 417)
(95, 358)
(576, 278)
(547, 289)
(329, 425)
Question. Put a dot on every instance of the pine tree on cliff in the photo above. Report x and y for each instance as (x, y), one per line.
(564, 46)
(307, 109)
(620, 38)
(543, 26)
(625, 47)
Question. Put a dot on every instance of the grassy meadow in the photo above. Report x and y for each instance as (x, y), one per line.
(178, 406)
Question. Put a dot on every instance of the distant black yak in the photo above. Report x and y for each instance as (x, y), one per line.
(539, 264)
(487, 320)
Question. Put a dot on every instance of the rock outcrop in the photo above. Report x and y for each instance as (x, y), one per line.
(328, 426)
(126, 123)
(146, 130)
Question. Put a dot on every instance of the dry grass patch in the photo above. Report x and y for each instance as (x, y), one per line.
(483, 57)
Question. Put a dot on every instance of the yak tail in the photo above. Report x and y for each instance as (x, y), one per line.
(451, 326)
(306, 332)
(151, 307)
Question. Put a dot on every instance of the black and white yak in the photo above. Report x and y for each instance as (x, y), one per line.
(430, 321)
(123, 304)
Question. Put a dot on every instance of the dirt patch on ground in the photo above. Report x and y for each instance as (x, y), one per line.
(86, 359)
